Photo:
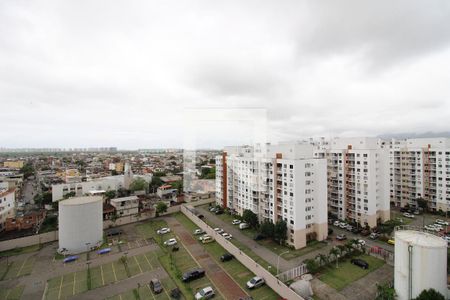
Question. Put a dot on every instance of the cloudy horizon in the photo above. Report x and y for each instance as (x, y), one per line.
(101, 73)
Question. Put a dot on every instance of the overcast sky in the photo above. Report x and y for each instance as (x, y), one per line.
(124, 73)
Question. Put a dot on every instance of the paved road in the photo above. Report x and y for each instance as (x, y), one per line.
(224, 282)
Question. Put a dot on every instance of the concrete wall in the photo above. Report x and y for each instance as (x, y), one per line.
(29, 240)
(278, 286)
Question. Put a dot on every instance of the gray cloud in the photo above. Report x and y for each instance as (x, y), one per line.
(116, 73)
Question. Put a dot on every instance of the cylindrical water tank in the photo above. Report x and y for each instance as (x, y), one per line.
(420, 263)
(80, 224)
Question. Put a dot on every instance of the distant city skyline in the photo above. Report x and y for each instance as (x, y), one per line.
(82, 74)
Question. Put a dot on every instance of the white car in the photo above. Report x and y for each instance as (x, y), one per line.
(198, 231)
(336, 223)
(204, 237)
(218, 230)
(227, 236)
(170, 242)
(342, 225)
(236, 222)
(205, 293)
(255, 282)
(243, 226)
(408, 215)
(163, 230)
(441, 222)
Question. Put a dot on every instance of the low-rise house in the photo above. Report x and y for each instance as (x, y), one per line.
(126, 206)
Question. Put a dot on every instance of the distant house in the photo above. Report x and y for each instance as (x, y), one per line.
(170, 179)
(167, 192)
(125, 206)
(26, 221)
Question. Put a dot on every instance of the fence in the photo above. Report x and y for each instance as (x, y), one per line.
(29, 240)
(293, 273)
(274, 283)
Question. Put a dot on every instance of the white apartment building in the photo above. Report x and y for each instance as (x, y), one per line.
(277, 182)
(7, 206)
(358, 179)
(420, 168)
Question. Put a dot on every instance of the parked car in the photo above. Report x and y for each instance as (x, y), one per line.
(391, 241)
(205, 236)
(441, 222)
(349, 227)
(336, 223)
(360, 263)
(356, 230)
(193, 274)
(416, 212)
(219, 211)
(212, 208)
(259, 237)
(255, 282)
(243, 226)
(227, 236)
(226, 257)
(175, 293)
(330, 231)
(236, 222)
(374, 236)
(170, 242)
(343, 225)
(155, 286)
(207, 240)
(198, 231)
(218, 230)
(408, 215)
(163, 230)
(200, 216)
(365, 232)
(341, 237)
(205, 293)
(402, 209)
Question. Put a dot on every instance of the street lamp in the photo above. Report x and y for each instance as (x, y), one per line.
(278, 260)
(87, 251)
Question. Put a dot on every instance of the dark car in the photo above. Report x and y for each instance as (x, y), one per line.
(259, 237)
(155, 286)
(402, 209)
(193, 274)
(175, 293)
(113, 232)
(218, 211)
(226, 257)
(356, 230)
(330, 231)
(200, 216)
(365, 232)
(360, 263)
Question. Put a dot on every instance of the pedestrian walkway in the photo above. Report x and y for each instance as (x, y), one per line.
(227, 287)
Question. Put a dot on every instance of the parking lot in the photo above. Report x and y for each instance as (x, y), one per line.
(16, 268)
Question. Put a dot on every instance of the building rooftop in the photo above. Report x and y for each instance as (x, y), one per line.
(421, 238)
(81, 200)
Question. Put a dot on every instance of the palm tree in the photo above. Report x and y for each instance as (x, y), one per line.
(342, 249)
(335, 252)
(322, 258)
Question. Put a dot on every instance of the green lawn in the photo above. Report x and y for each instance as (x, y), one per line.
(175, 263)
(12, 294)
(234, 268)
(144, 292)
(18, 251)
(347, 273)
(16, 268)
(79, 282)
(270, 244)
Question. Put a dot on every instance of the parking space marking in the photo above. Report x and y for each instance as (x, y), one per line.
(135, 259)
(20, 270)
(114, 271)
(74, 282)
(151, 293)
(145, 255)
(101, 272)
(60, 286)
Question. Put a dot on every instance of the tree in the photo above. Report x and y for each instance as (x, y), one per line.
(322, 259)
(430, 294)
(110, 194)
(156, 183)
(385, 292)
(335, 252)
(27, 170)
(280, 231)
(267, 228)
(422, 203)
(178, 185)
(138, 184)
(250, 218)
(161, 207)
(312, 265)
(69, 195)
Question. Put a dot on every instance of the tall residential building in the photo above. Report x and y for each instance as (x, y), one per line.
(420, 168)
(358, 179)
(7, 206)
(277, 182)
